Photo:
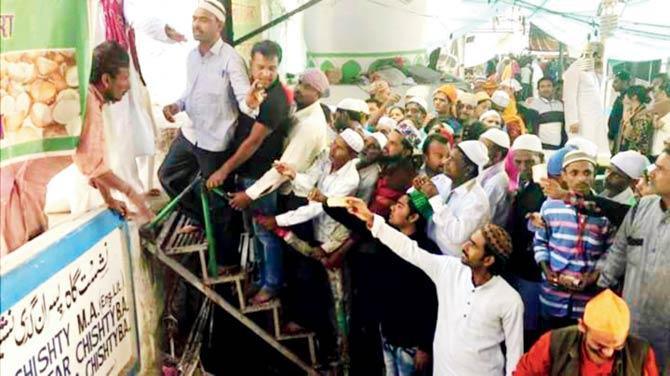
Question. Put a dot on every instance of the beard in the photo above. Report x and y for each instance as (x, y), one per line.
(387, 159)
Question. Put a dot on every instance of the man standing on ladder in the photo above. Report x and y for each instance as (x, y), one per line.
(217, 84)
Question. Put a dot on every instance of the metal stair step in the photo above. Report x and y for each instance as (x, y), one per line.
(288, 337)
(272, 304)
(189, 248)
(179, 243)
(227, 278)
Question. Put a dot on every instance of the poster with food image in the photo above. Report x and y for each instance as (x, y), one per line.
(39, 97)
(44, 56)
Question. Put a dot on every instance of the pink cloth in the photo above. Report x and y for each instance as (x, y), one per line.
(316, 79)
(22, 197)
(512, 172)
(115, 24)
(91, 155)
(117, 30)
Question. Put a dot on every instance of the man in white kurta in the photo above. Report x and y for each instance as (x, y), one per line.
(583, 92)
(477, 309)
(466, 207)
(334, 174)
(493, 179)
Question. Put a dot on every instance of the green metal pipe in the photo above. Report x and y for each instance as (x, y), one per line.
(147, 230)
(221, 193)
(212, 266)
(172, 205)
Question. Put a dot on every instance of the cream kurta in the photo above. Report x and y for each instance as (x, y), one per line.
(583, 102)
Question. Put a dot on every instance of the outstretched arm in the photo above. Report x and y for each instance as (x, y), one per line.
(399, 243)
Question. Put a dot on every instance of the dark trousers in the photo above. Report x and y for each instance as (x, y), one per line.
(365, 341)
(307, 299)
(182, 164)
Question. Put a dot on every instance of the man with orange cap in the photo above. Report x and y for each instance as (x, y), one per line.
(443, 100)
(598, 345)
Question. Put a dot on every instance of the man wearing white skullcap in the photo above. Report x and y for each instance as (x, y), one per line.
(625, 169)
(416, 109)
(369, 167)
(529, 142)
(217, 88)
(353, 139)
(350, 114)
(215, 8)
(467, 207)
(491, 119)
(494, 178)
(465, 108)
(385, 125)
(333, 174)
(380, 138)
(499, 100)
(587, 146)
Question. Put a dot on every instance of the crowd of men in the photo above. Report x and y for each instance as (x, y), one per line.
(445, 239)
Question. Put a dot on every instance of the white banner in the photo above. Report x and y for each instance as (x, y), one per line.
(80, 320)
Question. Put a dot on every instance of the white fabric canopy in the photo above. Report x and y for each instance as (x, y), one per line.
(643, 31)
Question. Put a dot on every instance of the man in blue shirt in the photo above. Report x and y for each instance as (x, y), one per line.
(217, 84)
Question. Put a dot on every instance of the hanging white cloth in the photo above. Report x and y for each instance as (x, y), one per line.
(130, 130)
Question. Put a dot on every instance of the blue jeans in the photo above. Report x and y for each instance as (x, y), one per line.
(268, 247)
(398, 361)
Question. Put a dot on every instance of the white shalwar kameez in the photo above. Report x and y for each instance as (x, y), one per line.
(583, 90)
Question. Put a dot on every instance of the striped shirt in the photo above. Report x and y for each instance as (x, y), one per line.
(571, 244)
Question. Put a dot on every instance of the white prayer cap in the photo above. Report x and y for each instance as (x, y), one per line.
(362, 106)
(529, 142)
(631, 163)
(497, 136)
(415, 91)
(467, 98)
(214, 7)
(420, 101)
(511, 83)
(476, 151)
(650, 168)
(500, 98)
(491, 113)
(380, 138)
(387, 122)
(576, 156)
(353, 139)
(352, 104)
(587, 146)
